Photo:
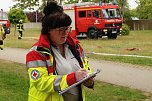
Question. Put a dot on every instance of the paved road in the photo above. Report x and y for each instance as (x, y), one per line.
(127, 75)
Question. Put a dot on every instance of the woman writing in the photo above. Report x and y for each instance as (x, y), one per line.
(57, 60)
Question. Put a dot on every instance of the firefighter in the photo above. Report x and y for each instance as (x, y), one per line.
(57, 60)
(2, 36)
(20, 29)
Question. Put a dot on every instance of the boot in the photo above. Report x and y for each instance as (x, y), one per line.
(1, 47)
(1, 44)
(19, 38)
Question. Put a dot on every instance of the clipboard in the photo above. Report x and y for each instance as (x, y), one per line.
(75, 84)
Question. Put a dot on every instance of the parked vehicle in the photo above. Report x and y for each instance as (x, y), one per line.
(94, 20)
(4, 21)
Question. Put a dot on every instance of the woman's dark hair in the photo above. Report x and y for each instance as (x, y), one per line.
(54, 17)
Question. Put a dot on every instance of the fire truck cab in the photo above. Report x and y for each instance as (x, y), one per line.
(94, 20)
(5, 22)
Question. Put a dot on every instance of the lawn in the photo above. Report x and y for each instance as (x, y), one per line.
(14, 84)
(137, 43)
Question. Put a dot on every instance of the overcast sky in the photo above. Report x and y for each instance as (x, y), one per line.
(132, 4)
(5, 5)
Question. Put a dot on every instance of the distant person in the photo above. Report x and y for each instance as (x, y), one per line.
(20, 29)
(2, 36)
(57, 60)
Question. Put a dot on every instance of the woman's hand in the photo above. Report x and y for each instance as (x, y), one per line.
(89, 82)
(80, 74)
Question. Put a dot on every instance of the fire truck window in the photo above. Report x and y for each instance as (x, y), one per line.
(96, 13)
(93, 13)
(82, 14)
(112, 13)
(89, 13)
(105, 14)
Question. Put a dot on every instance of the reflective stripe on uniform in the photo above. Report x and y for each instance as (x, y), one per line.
(51, 58)
(49, 63)
(36, 63)
(57, 83)
(82, 54)
(20, 27)
(33, 48)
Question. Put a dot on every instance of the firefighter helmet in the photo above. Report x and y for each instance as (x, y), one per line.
(21, 21)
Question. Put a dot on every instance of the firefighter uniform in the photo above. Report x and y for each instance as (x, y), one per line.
(2, 32)
(20, 29)
(44, 79)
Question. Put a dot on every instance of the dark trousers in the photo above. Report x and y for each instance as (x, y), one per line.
(20, 34)
(1, 42)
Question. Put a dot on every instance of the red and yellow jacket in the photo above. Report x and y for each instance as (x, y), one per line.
(44, 79)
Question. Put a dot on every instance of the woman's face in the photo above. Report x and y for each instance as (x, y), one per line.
(59, 35)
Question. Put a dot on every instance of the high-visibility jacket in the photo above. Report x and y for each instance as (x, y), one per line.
(2, 32)
(20, 27)
(44, 79)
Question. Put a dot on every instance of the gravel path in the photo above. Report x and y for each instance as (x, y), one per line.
(127, 75)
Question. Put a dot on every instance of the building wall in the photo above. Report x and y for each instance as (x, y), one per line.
(32, 25)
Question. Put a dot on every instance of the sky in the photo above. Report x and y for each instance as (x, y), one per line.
(9, 3)
(132, 4)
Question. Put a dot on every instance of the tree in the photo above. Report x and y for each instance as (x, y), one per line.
(144, 9)
(127, 15)
(134, 12)
(14, 15)
(27, 4)
(122, 4)
(30, 4)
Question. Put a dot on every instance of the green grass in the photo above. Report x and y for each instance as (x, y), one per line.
(141, 40)
(109, 92)
(14, 86)
(26, 43)
(13, 81)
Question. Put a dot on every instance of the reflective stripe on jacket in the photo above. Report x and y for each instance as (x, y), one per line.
(20, 27)
(44, 80)
(1, 33)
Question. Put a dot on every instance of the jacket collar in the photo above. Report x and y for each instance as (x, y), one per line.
(72, 41)
(44, 42)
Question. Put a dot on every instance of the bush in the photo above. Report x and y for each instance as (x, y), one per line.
(125, 29)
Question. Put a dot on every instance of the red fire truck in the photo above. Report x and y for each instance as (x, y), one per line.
(4, 21)
(94, 20)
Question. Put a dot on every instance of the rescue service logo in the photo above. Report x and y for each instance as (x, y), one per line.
(35, 74)
(96, 22)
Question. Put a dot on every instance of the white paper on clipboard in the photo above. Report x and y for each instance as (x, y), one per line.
(91, 75)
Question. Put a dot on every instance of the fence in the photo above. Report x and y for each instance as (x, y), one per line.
(140, 24)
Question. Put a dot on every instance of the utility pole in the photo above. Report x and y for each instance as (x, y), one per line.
(36, 15)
